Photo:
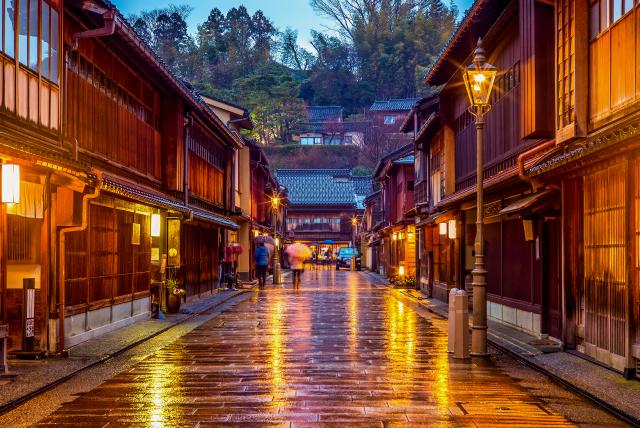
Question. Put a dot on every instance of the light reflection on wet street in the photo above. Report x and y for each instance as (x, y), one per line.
(340, 351)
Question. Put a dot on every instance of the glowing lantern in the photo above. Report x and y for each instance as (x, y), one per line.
(401, 271)
(443, 228)
(10, 183)
(155, 225)
(452, 229)
(395, 236)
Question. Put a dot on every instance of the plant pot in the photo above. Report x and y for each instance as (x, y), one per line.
(173, 303)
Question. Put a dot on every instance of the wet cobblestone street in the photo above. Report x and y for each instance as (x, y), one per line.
(340, 351)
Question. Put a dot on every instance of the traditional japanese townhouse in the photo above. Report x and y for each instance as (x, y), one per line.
(423, 123)
(268, 202)
(522, 252)
(238, 120)
(596, 164)
(395, 176)
(124, 173)
(322, 203)
(372, 223)
(387, 116)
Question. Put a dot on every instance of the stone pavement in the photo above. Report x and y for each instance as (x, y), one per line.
(591, 379)
(338, 352)
(32, 376)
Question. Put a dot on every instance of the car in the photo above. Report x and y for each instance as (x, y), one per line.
(344, 258)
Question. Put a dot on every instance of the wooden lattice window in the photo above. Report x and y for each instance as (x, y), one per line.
(566, 62)
(605, 254)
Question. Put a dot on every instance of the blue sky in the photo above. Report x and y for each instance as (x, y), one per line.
(296, 14)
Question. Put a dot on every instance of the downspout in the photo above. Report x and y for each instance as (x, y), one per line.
(61, 251)
(108, 29)
(188, 122)
(523, 156)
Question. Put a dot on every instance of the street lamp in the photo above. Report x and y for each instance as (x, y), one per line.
(478, 80)
(354, 223)
(275, 204)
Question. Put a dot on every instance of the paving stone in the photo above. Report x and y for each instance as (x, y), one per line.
(340, 352)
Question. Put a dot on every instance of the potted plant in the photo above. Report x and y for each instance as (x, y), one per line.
(174, 294)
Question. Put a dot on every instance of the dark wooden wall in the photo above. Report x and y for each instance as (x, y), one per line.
(113, 111)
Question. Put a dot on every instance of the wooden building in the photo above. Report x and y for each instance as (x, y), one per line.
(254, 187)
(372, 224)
(322, 203)
(124, 172)
(521, 229)
(596, 167)
(395, 176)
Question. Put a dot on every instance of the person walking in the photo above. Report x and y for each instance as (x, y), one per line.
(297, 267)
(261, 257)
(297, 253)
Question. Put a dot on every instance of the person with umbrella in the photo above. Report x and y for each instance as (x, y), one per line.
(261, 256)
(297, 253)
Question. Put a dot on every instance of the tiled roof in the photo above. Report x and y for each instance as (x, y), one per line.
(400, 104)
(324, 187)
(409, 159)
(362, 185)
(324, 113)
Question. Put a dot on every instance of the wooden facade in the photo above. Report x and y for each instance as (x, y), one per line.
(561, 181)
(520, 289)
(396, 178)
(100, 129)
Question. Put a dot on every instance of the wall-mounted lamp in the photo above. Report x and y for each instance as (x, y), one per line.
(155, 225)
(443, 228)
(410, 236)
(10, 183)
(277, 242)
(528, 229)
(401, 270)
(395, 236)
(452, 229)
(256, 233)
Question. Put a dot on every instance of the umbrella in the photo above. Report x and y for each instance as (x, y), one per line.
(329, 241)
(236, 248)
(270, 247)
(299, 251)
(265, 239)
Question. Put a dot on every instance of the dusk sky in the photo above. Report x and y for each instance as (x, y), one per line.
(284, 13)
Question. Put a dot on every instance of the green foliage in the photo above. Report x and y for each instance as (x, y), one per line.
(361, 171)
(306, 157)
(382, 51)
(270, 93)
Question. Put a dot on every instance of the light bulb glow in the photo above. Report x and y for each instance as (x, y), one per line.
(479, 78)
(443, 228)
(10, 184)
(155, 225)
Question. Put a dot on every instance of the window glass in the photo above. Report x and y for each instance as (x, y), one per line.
(604, 15)
(628, 5)
(594, 21)
(617, 10)
(54, 46)
(46, 39)
(389, 120)
(23, 19)
(9, 27)
(33, 34)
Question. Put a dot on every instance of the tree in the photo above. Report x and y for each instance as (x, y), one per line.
(271, 94)
(291, 53)
(391, 39)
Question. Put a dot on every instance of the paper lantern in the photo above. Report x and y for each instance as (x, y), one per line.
(10, 183)
(155, 225)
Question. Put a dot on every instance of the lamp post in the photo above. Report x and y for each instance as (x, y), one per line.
(275, 204)
(354, 224)
(478, 80)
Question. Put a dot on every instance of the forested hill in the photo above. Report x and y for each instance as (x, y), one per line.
(379, 49)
